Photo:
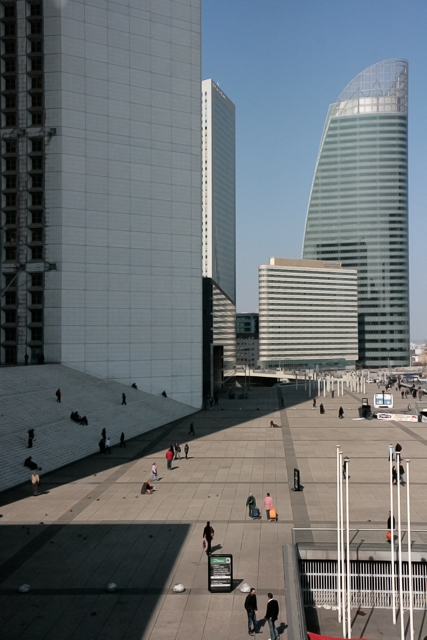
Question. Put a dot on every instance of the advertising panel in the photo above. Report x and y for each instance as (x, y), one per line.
(220, 577)
(382, 400)
(399, 417)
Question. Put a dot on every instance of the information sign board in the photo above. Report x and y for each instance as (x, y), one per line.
(220, 576)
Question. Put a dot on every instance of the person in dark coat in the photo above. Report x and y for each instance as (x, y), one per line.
(191, 430)
(101, 445)
(30, 438)
(271, 616)
(322, 409)
(30, 464)
(124, 398)
(186, 450)
(26, 359)
(314, 403)
(58, 395)
(341, 413)
(389, 521)
(208, 534)
(122, 440)
(394, 475)
(104, 434)
(251, 607)
(164, 394)
(251, 503)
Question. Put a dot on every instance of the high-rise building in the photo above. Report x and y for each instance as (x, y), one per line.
(247, 339)
(101, 199)
(219, 188)
(307, 315)
(358, 209)
(218, 235)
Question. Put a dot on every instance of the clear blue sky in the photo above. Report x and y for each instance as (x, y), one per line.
(283, 62)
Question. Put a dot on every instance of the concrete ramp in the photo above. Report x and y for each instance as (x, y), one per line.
(27, 400)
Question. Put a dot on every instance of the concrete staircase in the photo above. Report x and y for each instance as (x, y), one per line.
(27, 400)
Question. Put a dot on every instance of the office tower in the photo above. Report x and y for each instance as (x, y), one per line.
(219, 188)
(101, 153)
(247, 339)
(307, 314)
(358, 209)
(218, 235)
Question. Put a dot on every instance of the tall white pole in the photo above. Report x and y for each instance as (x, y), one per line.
(305, 381)
(296, 379)
(338, 536)
(364, 385)
(399, 529)
(324, 387)
(309, 388)
(348, 551)
(393, 587)
(342, 546)
(408, 504)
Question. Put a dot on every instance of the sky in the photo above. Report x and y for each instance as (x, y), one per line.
(282, 63)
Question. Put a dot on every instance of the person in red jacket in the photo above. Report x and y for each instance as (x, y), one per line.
(169, 456)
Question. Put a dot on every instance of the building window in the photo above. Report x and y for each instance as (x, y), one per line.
(36, 145)
(37, 217)
(36, 28)
(10, 182)
(36, 316)
(10, 355)
(36, 199)
(37, 182)
(36, 46)
(37, 82)
(10, 317)
(11, 200)
(37, 334)
(10, 120)
(36, 119)
(10, 84)
(10, 335)
(10, 146)
(10, 253)
(37, 163)
(37, 235)
(10, 298)
(37, 253)
(10, 164)
(37, 280)
(10, 217)
(37, 297)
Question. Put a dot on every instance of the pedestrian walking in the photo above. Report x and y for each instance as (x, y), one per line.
(177, 451)
(216, 399)
(104, 434)
(344, 469)
(401, 474)
(169, 456)
(403, 394)
(251, 503)
(26, 359)
(271, 616)
(208, 535)
(108, 445)
(322, 409)
(251, 607)
(122, 440)
(389, 521)
(268, 504)
(341, 413)
(186, 450)
(191, 430)
(30, 438)
(58, 395)
(35, 480)
(314, 403)
(398, 449)
(124, 398)
(101, 445)
(154, 474)
(394, 475)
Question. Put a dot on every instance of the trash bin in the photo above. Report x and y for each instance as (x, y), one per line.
(333, 394)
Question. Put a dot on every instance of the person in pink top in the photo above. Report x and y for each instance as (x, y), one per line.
(268, 504)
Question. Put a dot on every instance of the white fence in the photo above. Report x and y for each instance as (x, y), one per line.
(370, 583)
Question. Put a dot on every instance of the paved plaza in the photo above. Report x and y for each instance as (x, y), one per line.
(91, 526)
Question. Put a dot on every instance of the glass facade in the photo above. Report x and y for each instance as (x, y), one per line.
(358, 208)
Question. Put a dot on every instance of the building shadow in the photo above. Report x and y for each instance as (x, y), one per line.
(68, 568)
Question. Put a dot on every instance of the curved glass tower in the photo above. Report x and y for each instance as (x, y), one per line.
(358, 208)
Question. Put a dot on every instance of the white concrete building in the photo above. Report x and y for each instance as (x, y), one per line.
(101, 190)
(219, 188)
(307, 314)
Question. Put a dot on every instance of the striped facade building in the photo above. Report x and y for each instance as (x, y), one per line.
(307, 314)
